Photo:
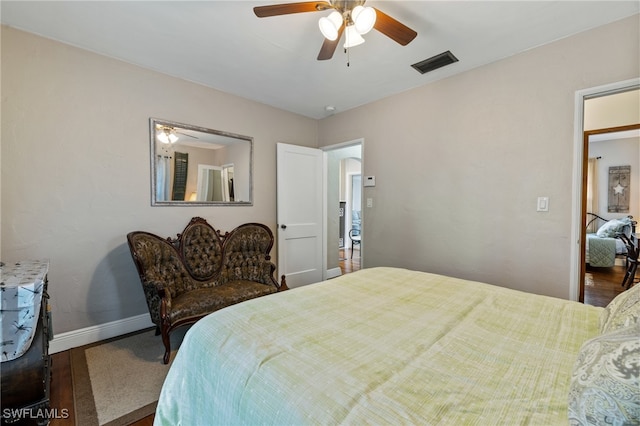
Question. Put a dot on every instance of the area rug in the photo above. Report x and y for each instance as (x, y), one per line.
(118, 381)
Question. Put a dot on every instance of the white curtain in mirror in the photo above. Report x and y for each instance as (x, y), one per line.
(163, 176)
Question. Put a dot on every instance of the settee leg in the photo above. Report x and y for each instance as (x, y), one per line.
(283, 284)
(158, 332)
(167, 346)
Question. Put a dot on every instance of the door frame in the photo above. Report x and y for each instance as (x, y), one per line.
(576, 275)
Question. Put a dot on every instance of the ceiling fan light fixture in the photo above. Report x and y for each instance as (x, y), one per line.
(330, 25)
(352, 37)
(364, 18)
(167, 136)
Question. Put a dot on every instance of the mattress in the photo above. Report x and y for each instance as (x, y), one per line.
(380, 346)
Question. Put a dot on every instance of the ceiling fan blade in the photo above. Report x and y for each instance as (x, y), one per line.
(186, 134)
(329, 46)
(393, 29)
(287, 8)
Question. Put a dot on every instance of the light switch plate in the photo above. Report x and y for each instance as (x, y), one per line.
(543, 204)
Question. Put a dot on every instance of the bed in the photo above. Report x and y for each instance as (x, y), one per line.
(603, 246)
(395, 346)
(601, 252)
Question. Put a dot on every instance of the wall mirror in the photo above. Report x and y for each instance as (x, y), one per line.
(193, 165)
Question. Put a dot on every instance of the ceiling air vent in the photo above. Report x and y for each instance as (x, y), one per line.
(435, 62)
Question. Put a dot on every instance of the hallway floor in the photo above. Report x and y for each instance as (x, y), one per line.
(602, 285)
(346, 264)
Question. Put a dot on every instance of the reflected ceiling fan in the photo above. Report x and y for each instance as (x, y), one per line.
(168, 134)
(349, 16)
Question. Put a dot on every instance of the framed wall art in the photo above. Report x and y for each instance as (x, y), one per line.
(619, 182)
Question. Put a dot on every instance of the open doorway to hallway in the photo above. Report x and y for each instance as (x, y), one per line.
(611, 141)
(345, 237)
(608, 150)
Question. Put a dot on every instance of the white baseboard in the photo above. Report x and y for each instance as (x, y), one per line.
(334, 272)
(84, 336)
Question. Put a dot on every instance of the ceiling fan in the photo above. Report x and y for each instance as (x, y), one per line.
(348, 16)
(169, 135)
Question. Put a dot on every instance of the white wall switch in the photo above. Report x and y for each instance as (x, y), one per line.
(369, 181)
(543, 204)
(369, 202)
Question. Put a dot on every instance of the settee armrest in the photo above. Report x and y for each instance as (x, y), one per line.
(156, 296)
(163, 293)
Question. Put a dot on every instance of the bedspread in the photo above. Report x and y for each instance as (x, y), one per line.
(601, 252)
(380, 346)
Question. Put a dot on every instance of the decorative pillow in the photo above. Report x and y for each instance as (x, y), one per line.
(615, 226)
(605, 383)
(622, 311)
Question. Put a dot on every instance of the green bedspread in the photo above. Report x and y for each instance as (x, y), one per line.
(601, 252)
(380, 346)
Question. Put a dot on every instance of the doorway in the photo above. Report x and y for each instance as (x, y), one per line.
(606, 150)
(625, 117)
(344, 230)
(308, 205)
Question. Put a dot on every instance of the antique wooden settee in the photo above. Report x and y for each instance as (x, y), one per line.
(201, 271)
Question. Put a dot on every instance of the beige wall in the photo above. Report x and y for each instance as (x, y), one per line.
(620, 109)
(617, 152)
(460, 163)
(75, 168)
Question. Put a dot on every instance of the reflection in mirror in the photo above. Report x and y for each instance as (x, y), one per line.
(197, 166)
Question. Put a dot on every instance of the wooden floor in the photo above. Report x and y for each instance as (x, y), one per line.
(346, 263)
(602, 285)
(61, 397)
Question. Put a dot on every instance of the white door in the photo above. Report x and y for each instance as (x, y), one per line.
(300, 214)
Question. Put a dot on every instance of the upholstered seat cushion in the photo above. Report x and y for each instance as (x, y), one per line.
(202, 301)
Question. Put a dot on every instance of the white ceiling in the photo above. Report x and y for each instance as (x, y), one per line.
(223, 45)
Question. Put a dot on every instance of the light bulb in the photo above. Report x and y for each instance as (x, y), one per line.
(364, 18)
(330, 25)
(352, 37)
(167, 136)
(162, 137)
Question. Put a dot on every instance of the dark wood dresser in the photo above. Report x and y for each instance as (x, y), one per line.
(26, 365)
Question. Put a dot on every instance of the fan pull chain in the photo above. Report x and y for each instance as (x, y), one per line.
(346, 49)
